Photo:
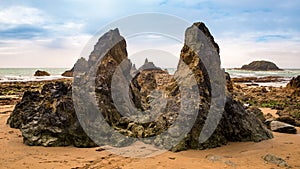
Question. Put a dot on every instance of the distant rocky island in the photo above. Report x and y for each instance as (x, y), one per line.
(261, 66)
(41, 73)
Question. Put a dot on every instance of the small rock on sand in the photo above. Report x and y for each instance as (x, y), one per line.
(270, 158)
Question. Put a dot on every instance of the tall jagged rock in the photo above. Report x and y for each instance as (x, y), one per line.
(81, 66)
(294, 83)
(201, 53)
(115, 107)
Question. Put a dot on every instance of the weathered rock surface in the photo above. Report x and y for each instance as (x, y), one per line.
(294, 83)
(81, 65)
(41, 73)
(260, 66)
(282, 127)
(258, 113)
(48, 117)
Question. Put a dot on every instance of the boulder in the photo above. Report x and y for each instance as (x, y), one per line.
(48, 118)
(281, 127)
(270, 158)
(41, 73)
(260, 66)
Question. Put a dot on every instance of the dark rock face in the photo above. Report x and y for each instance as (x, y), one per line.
(48, 118)
(41, 73)
(287, 119)
(229, 83)
(240, 125)
(158, 98)
(258, 113)
(294, 83)
(260, 66)
(81, 65)
(282, 127)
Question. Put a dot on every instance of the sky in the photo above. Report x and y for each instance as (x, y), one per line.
(54, 33)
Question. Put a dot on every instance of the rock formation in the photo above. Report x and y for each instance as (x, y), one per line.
(294, 83)
(148, 66)
(81, 65)
(48, 117)
(260, 66)
(164, 105)
(41, 73)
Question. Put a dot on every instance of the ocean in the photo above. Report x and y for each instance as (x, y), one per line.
(26, 74)
(286, 74)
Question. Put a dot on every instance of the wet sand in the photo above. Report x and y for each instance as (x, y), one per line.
(14, 154)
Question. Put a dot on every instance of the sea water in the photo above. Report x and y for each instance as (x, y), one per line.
(27, 74)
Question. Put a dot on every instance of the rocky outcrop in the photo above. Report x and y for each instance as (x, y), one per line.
(48, 118)
(260, 66)
(294, 83)
(282, 127)
(41, 73)
(167, 108)
(81, 65)
(229, 83)
(258, 79)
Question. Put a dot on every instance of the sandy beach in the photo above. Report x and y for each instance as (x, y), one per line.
(15, 154)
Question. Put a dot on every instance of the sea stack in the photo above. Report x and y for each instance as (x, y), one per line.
(41, 73)
(260, 66)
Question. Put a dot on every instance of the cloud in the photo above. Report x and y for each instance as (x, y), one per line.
(41, 52)
(22, 32)
(244, 29)
(20, 15)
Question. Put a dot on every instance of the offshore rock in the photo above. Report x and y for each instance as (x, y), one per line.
(41, 73)
(260, 66)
